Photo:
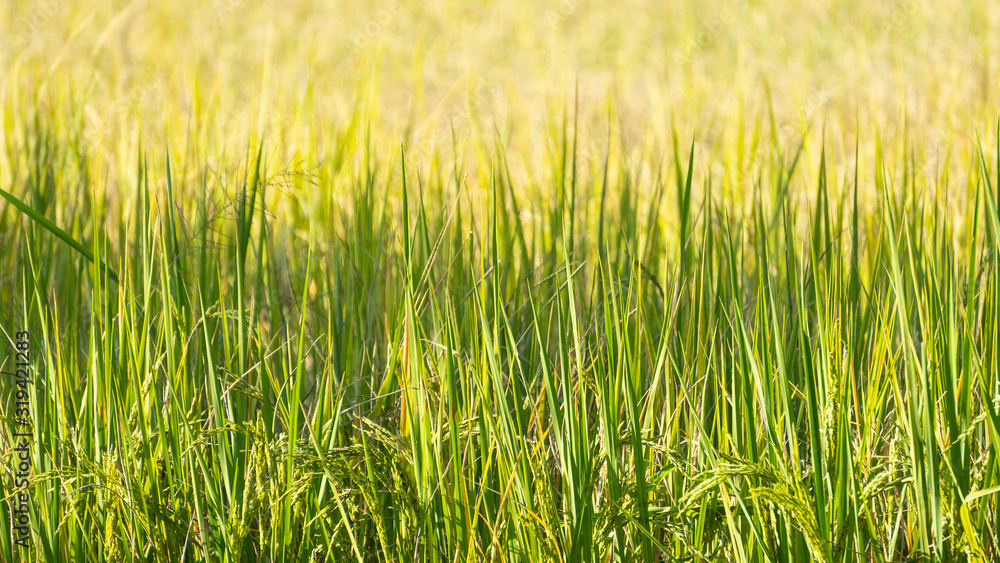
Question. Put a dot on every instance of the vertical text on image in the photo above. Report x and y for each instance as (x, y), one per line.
(22, 434)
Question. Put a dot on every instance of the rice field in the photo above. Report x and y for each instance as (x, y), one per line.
(560, 281)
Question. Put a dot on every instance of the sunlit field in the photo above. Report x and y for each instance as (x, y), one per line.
(501, 281)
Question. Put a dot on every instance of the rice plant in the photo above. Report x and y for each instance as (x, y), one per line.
(555, 341)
